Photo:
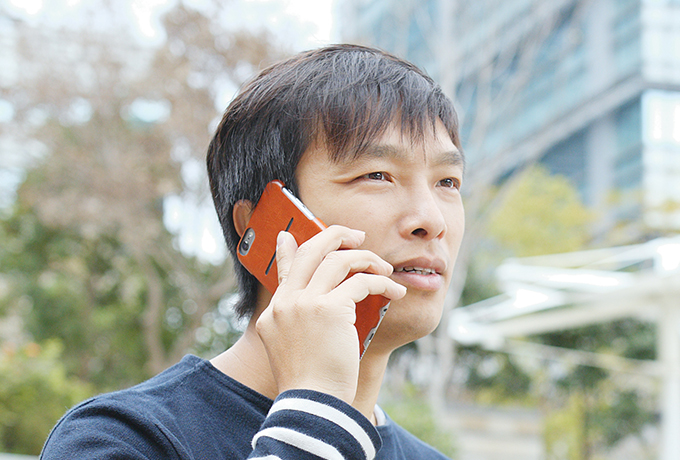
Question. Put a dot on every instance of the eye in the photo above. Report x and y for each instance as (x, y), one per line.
(450, 182)
(376, 176)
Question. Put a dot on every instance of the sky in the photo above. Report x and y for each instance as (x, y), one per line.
(314, 15)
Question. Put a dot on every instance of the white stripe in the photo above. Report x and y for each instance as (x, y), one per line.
(301, 441)
(380, 416)
(331, 414)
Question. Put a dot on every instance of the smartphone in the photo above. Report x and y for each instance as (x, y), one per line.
(277, 210)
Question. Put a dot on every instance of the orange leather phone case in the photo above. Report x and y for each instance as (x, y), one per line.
(277, 210)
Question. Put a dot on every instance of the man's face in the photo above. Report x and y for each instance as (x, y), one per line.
(405, 195)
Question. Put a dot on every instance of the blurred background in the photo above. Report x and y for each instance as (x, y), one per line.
(561, 336)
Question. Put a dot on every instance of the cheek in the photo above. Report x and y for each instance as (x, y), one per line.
(457, 230)
(359, 214)
(456, 223)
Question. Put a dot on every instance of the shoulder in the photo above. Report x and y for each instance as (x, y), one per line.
(107, 426)
(159, 418)
(146, 400)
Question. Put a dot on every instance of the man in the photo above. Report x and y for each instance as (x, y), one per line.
(370, 144)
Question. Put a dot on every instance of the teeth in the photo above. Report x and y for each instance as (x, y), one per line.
(418, 270)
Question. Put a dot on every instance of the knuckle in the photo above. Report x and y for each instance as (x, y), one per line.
(317, 309)
(363, 278)
(334, 258)
(315, 303)
(338, 231)
(371, 257)
(336, 228)
(304, 249)
(261, 324)
(277, 306)
(277, 310)
(308, 304)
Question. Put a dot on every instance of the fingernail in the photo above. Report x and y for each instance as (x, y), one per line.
(279, 239)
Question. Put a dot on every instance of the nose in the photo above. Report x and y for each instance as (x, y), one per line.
(423, 216)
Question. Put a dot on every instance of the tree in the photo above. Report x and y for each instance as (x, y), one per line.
(542, 214)
(104, 294)
(86, 293)
(592, 408)
(123, 126)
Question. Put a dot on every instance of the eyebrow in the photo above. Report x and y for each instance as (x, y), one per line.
(445, 157)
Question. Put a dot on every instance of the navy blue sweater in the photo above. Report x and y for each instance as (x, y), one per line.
(194, 411)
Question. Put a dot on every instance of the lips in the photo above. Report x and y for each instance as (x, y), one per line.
(422, 266)
(421, 274)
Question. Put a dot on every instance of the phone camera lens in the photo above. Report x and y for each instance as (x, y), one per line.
(246, 242)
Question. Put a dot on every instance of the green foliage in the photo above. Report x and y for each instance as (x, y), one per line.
(541, 214)
(592, 420)
(480, 282)
(85, 257)
(629, 338)
(611, 413)
(35, 391)
(86, 293)
(626, 415)
(411, 411)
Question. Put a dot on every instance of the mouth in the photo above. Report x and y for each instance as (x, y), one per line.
(421, 274)
(422, 266)
(416, 270)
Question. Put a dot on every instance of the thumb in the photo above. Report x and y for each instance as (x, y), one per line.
(286, 246)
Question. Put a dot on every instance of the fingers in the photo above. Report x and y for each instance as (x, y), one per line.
(337, 265)
(311, 253)
(361, 285)
(286, 246)
(320, 267)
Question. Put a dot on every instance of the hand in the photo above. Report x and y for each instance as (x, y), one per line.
(308, 328)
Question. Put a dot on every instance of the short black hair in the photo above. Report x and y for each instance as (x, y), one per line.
(341, 95)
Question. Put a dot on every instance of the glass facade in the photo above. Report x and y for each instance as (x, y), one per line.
(627, 36)
(661, 41)
(628, 153)
(404, 28)
(568, 158)
(661, 157)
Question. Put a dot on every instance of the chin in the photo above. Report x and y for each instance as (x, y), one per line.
(407, 322)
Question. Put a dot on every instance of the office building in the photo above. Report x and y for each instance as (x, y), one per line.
(589, 88)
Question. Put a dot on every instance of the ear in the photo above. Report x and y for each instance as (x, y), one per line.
(243, 209)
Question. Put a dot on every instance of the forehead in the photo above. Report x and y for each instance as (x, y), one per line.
(433, 145)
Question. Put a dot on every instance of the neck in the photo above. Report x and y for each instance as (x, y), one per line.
(371, 373)
(247, 362)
